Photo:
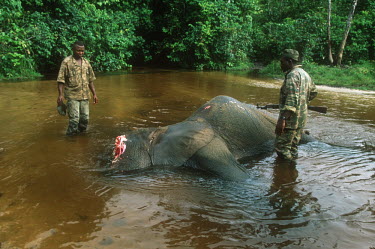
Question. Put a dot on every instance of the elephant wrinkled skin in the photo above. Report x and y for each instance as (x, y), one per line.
(212, 139)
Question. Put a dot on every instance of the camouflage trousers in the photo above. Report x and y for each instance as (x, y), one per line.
(78, 112)
(286, 145)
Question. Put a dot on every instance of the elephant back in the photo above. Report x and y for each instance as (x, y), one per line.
(245, 129)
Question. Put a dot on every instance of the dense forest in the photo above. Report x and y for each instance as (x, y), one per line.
(198, 34)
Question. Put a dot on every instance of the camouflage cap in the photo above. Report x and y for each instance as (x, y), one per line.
(61, 109)
(291, 54)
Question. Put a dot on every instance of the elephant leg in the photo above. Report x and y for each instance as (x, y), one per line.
(217, 159)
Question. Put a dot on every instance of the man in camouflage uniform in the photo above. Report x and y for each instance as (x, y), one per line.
(74, 81)
(295, 94)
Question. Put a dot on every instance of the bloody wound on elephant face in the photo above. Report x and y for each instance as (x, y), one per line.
(120, 147)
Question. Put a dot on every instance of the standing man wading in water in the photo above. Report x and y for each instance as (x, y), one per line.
(295, 94)
(74, 83)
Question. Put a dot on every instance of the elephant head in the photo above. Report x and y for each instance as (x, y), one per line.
(133, 152)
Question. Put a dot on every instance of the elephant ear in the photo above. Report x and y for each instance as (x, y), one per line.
(180, 142)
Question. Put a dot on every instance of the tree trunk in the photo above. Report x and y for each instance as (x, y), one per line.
(330, 57)
(346, 33)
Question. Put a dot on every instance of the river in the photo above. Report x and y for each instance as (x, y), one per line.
(55, 191)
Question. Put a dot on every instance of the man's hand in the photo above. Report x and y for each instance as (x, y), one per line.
(96, 100)
(60, 100)
(92, 88)
(280, 126)
(281, 122)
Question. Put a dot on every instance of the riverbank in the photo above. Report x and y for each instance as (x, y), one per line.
(359, 76)
(30, 75)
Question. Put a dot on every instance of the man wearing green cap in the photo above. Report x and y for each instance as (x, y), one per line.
(75, 81)
(295, 94)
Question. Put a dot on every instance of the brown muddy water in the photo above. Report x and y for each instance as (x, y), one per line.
(55, 191)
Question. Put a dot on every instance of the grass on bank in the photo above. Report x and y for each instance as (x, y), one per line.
(360, 76)
(27, 75)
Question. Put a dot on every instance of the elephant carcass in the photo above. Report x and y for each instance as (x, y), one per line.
(212, 139)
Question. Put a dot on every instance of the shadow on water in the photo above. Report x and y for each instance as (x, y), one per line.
(57, 191)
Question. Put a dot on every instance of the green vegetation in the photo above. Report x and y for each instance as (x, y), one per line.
(358, 76)
(35, 35)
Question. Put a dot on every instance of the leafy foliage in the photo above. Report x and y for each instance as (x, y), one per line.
(15, 45)
(35, 35)
(217, 36)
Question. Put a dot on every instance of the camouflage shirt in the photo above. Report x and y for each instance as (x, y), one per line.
(76, 78)
(295, 94)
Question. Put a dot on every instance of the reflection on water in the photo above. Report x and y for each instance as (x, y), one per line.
(56, 193)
